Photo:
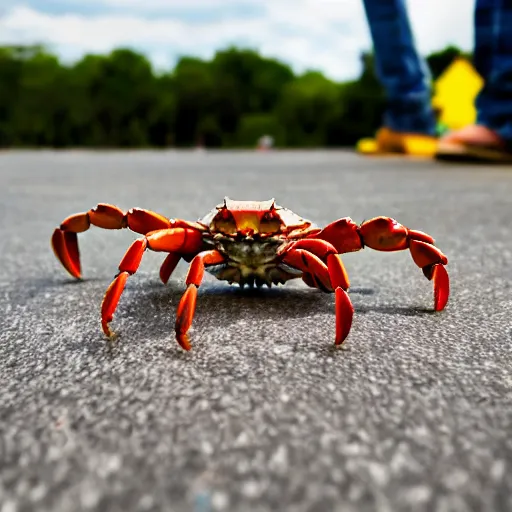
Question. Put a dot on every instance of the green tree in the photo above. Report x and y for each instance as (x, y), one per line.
(439, 61)
(256, 80)
(119, 94)
(362, 107)
(253, 126)
(307, 108)
(33, 107)
(162, 115)
(245, 83)
(231, 100)
(10, 73)
(193, 89)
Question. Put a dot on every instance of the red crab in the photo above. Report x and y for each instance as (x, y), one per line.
(249, 243)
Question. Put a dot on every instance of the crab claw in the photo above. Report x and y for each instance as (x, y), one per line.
(184, 316)
(65, 247)
(110, 301)
(184, 341)
(344, 314)
(441, 286)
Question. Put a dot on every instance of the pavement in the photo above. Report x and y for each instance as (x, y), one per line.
(415, 414)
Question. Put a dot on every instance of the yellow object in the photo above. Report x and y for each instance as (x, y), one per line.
(367, 146)
(388, 142)
(455, 92)
(419, 145)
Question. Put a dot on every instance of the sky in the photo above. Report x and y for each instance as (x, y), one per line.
(323, 35)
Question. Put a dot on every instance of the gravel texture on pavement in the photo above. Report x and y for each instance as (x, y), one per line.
(415, 414)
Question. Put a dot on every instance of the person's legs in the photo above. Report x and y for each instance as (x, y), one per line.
(491, 137)
(493, 60)
(402, 71)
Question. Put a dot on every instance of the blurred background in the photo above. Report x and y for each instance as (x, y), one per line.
(209, 73)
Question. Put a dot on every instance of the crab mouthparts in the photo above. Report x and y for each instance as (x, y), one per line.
(247, 224)
(246, 232)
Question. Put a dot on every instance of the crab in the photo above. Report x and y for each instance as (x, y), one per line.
(251, 243)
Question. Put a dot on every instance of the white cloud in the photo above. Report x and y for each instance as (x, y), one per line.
(438, 23)
(145, 5)
(322, 34)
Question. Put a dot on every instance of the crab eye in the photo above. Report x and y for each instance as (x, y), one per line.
(270, 223)
(225, 222)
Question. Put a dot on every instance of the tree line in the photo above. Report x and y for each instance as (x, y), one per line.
(118, 100)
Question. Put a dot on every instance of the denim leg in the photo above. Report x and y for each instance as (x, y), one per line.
(403, 73)
(493, 60)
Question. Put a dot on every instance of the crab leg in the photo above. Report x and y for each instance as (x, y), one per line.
(172, 240)
(168, 266)
(386, 234)
(330, 276)
(187, 304)
(65, 242)
(319, 248)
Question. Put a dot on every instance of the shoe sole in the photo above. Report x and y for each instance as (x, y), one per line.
(468, 153)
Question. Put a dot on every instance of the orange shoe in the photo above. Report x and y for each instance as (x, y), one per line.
(390, 142)
(473, 143)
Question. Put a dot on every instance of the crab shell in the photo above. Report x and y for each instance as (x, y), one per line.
(249, 235)
(254, 219)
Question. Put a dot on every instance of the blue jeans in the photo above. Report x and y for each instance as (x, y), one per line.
(406, 79)
(493, 60)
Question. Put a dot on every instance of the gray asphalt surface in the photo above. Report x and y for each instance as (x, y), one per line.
(414, 415)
